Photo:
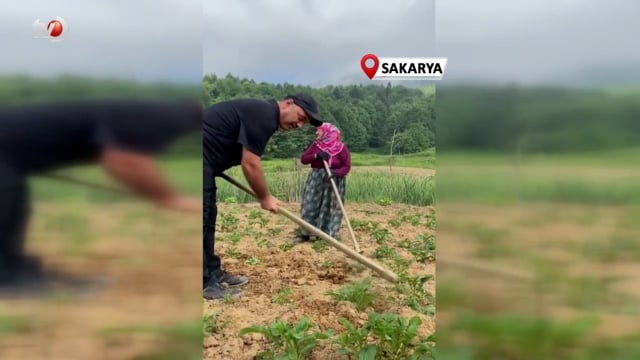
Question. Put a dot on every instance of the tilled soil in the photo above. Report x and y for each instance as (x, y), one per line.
(308, 271)
(153, 260)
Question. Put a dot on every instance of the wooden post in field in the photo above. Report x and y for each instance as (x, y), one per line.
(393, 139)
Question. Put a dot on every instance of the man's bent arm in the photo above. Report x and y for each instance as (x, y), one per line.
(252, 170)
(139, 172)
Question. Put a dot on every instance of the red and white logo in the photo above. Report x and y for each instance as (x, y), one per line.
(53, 30)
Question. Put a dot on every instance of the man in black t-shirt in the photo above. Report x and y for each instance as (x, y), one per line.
(236, 132)
(121, 135)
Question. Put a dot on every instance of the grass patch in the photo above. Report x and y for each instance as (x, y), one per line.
(595, 293)
(284, 177)
(491, 242)
(518, 336)
(357, 293)
(14, 324)
(618, 247)
(283, 296)
(186, 174)
(211, 323)
(370, 187)
(592, 178)
(73, 223)
(176, 341)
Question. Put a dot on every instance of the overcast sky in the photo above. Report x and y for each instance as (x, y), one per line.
(320, 41)
(531, 40)
(312, 41)
(147, 40)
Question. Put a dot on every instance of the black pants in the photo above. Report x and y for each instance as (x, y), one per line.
(211, 264)
(14, 217)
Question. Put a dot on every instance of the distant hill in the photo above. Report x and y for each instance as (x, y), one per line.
(360, 79)
(548, 119)
(589, 77)
(600, 76)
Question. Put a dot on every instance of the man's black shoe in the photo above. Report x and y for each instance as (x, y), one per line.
(232, 281)
(216, 291)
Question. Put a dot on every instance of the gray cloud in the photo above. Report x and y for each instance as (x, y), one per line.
(321, 42)
(530, 41)
(312, 41)
(525, 41)
(145, 40)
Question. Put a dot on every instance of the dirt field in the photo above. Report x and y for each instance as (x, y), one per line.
(153, 261)
(308, 272)
(582, 260)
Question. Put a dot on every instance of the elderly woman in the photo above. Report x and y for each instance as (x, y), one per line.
(320, 207)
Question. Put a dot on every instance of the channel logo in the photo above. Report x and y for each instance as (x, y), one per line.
(53, 30)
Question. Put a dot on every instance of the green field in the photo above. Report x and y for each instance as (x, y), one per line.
(568, 222)
(565, 219)
(514, 212)
(285, 180)
(605, 178)
(597, 178)
(424, 159)
(73, 221)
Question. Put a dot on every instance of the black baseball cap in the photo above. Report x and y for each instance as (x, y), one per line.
(310, 107)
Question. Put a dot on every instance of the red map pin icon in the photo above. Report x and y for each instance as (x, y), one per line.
(369, 71)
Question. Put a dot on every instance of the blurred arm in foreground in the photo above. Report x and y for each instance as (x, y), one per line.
(141, 173)
(123, 136)
(128, 155)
